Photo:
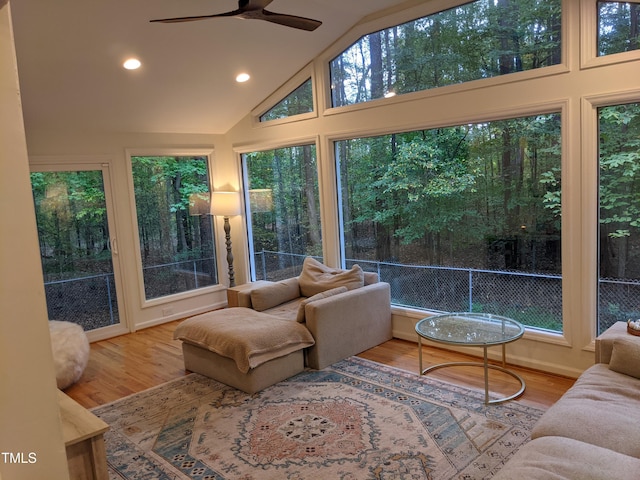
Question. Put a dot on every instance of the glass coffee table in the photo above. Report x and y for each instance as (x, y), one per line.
(472, 330)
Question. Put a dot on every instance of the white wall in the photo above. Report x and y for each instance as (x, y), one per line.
(29, 417)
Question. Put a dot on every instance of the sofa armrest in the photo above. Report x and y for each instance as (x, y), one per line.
(240, 296)
(370, 278)
(263, 295)
(349, 323)
(604, 342)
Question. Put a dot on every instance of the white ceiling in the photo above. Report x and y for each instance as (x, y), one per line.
(70, 55)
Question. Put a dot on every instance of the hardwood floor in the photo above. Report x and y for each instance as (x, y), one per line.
(131, 363)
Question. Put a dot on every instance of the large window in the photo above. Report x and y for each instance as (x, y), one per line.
(284, 207)
(176, 236)
(481, 39)
(619, 239)
(460, 218)
(618, 27)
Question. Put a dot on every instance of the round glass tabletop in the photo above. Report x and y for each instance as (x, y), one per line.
(473, 329)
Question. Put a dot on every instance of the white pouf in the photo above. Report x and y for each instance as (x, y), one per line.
(70, 352)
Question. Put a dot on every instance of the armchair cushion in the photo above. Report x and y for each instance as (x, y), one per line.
(317, 296)
(316, 278)
(275, 294)
(625, 357)
(248, 337)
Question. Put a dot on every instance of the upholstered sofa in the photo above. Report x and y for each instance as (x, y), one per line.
(272, 330)
(593, 431)
(346, 311)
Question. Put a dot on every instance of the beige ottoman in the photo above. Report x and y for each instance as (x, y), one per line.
(241, 347)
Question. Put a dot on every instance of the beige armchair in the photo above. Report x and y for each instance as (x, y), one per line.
(346, 311)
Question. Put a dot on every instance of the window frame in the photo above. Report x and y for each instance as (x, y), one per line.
(106, 163)
(260, 147)
(570, 268)
(377, 23)
(283, 92)
(590, 178)
(220, 259)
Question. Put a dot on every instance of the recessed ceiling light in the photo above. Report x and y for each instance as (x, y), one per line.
(243, 77)
(132, 64)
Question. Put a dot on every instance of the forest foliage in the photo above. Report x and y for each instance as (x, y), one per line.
(73, 226)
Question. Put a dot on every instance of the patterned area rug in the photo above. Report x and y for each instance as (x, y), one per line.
(352, 421)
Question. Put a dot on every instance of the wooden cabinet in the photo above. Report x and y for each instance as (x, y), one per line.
(83, 439)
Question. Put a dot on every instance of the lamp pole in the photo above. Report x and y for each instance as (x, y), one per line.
(225, 205)
(227, 236)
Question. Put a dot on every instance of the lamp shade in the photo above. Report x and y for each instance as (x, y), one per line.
(225, 204)
(199, 204)
(261, 200)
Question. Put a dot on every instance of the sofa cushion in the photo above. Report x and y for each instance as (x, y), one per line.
(601, 408)
(625, 357)
(557, 458)
(317, 296)
(269, 296)
(286, 311)
(316, 278)
(250, 338)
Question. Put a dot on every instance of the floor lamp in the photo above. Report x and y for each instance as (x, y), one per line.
(226, 204)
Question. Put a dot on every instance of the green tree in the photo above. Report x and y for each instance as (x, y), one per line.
(619, 189)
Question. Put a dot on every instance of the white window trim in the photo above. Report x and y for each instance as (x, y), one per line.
(220, 259)
(590, 198)
(283, 92)
(569, 272)
(367, 27)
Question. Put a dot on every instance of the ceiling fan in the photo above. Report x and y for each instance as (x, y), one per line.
(255, 10)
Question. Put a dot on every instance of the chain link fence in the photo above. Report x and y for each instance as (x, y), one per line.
(534, 300)
(91, 301)
(618, 302)
(88, 301)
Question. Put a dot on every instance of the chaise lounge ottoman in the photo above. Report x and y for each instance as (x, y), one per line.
(243, 348)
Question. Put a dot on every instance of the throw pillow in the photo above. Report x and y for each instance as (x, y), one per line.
(625, 357)
(269, 296)
(316, 277)
(317, 296)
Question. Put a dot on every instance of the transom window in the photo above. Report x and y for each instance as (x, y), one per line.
(480, 39)
(296, 103)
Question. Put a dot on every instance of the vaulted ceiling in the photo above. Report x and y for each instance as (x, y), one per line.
(70, 55)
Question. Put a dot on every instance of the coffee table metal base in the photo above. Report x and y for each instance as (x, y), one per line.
(485, 364)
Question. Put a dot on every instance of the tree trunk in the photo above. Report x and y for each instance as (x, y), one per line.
(377, 68)
(311, 174)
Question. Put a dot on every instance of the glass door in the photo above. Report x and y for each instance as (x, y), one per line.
(77, 247)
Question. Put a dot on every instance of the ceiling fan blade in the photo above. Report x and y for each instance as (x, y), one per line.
(302, 23)
(254, 10)
(253, 4)
(199, 17)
